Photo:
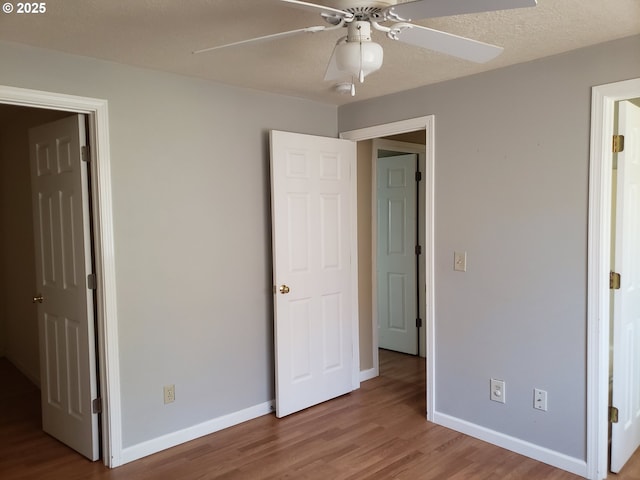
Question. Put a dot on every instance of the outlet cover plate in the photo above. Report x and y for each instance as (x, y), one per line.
(540, 399)
(497, 390)
(169, 394)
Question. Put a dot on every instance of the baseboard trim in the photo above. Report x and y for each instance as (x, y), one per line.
(135, 452)
(368, 374)
(542, 454)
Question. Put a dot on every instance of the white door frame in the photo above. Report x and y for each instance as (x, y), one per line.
(106, 308)
(396, 146)
(395, 128)
(603, 99)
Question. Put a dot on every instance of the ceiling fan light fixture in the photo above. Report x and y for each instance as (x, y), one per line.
(359, 59)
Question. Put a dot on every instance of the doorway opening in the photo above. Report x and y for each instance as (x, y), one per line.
(624, 320)
(21, 346)
(604, 99)
(369, 359)
(397, 237)
(101, 210)
(46, 259)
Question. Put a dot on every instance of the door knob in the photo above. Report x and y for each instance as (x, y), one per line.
(284, 289)
(38, 299)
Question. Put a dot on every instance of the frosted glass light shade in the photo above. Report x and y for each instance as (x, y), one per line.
(353, 57)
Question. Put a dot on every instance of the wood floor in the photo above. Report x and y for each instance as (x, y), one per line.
(377, 432)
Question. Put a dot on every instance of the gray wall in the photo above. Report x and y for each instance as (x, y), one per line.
(511, 189)
(192, 231)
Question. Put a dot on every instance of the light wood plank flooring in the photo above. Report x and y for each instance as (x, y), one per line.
(377, 432)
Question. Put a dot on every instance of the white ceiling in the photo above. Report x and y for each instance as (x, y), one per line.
(161, 34)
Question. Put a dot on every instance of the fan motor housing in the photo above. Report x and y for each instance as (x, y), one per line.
(362, 9)
(359, 31)
(362, 4)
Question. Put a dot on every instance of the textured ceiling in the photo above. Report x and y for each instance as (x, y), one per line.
(161, 34)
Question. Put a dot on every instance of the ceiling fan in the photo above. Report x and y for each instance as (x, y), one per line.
(356, 55)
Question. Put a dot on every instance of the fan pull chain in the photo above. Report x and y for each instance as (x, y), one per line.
(361, 74)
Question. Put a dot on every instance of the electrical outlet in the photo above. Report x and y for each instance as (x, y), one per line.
(169, 394)
(460, 261)
(497, 390)
(540, 399)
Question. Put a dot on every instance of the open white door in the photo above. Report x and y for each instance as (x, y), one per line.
(396, 255)
(625, 435)
(65, 301)
(311, 214)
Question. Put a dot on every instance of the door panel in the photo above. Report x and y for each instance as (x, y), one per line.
(311, 214)
(625, 435)
(396, 261)
(65, 315)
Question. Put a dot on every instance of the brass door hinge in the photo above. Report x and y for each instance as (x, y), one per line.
(614, 281)
(96, 405)
(618, 143)
(613, 415)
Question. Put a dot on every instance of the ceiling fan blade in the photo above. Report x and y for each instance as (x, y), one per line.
(443, 8)
(448, 43)
(321, 9)
(273, 36)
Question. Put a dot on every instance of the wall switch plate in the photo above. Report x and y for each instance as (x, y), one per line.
(169, 394)
(497, 390)
(540, 399)
(460, 261)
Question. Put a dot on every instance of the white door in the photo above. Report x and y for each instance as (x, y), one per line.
(311, 214)
(396, 255)
(625, 435)
(64, 301)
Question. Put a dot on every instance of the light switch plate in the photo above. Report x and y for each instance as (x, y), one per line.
(460, 261)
